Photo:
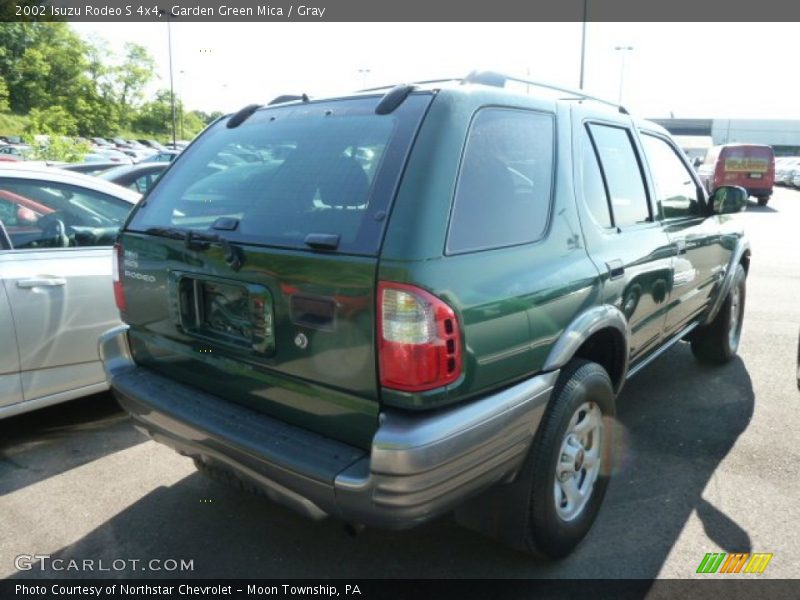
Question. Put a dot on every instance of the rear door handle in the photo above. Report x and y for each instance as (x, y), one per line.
(41, 282)
(616, 268)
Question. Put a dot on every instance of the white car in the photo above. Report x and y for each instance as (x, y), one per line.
(56, 293)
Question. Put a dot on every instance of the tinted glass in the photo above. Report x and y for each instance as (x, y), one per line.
(594, 192)
(676, 192)
(39, 214)
(623, 177)
(504, 185)
(284, 173)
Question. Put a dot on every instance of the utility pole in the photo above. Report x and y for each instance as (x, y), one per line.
(171, 82)
(583, 43)
(624, 50)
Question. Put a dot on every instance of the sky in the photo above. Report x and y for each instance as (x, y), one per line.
(689, 70)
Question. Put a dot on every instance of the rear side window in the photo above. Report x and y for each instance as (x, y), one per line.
(505, 181)
(623, 176)
(286, 172)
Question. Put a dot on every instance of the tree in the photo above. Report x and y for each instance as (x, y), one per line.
(155, 117)
(54, 120)
(4, 106)
(131, 78)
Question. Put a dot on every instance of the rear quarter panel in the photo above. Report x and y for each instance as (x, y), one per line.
(512, 303)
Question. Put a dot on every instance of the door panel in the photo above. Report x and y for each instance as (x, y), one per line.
(694, 235)
(10, 383)
(630, 250)
(61, 301)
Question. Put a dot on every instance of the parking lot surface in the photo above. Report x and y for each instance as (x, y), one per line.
(708, 462)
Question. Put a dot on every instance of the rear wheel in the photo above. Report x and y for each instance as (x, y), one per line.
(762, 201)
(718, 342)
(554, 500)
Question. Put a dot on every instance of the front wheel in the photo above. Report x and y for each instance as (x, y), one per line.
(718, 342)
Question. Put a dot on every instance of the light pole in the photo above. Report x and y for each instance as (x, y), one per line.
(364, 73)
(583, 43)
(171, 83)
(624, 50)
(180, 99)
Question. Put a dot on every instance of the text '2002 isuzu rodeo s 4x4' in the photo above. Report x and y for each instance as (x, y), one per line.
(386, 306)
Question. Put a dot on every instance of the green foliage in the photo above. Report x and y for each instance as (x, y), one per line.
(11, 124)
(54, 120)
(71, 86)
(57, 148)
(3, 95)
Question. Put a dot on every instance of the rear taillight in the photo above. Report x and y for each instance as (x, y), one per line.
(116, 269)
(419, 344)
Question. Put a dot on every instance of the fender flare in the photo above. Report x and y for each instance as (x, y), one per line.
(742, 248)
(581, 329)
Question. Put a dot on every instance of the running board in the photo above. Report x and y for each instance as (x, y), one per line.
(676, 338)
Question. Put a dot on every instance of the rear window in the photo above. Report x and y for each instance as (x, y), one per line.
(746, 159)
(318, 168)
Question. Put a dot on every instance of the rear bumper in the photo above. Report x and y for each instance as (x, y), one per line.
(419, 466)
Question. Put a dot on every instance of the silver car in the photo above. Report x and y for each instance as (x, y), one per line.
(56, 294)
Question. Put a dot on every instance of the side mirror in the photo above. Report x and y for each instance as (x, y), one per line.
(728, 199)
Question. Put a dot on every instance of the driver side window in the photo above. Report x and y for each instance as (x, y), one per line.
(44, 214)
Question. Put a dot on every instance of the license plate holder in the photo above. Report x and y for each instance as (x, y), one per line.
(232, 313)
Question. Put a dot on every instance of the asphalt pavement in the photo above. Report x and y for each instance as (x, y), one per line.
(708, 462)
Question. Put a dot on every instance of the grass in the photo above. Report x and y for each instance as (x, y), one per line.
(11, 124)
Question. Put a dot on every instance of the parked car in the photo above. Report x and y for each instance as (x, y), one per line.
(17, 151)
(751, 166)
(442, 322)
(784, 167)
(106, 154)
(162, 156)
(56, 232)
(796, 178)
(98, 141)
(139, 178)
(90, 168)
(152, 144)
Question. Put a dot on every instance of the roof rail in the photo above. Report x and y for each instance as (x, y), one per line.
(499, 80)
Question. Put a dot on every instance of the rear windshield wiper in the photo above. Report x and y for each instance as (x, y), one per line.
(200, 241)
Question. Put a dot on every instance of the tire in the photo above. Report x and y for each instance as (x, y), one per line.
(718, 342)
(763, 201)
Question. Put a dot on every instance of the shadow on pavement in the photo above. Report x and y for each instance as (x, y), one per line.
(43, 443)
(677, 421)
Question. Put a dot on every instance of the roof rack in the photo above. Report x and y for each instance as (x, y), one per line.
(499, 80)
(496, 79)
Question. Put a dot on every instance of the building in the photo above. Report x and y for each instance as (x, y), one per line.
(782, 135)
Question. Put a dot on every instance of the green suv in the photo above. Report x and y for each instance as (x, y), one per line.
(387, 306)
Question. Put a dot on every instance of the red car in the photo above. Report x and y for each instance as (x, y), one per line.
(751, 166)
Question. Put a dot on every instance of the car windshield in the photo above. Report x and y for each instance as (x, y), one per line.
(287, 172)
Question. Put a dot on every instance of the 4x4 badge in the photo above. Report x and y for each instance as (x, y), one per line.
(301, 341)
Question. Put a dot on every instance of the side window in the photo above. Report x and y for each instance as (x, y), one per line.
(43, 214)
(594, 192)
(623, 176)
(676, 192)
(505, 181)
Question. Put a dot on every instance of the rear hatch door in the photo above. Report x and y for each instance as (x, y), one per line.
(250, 269)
